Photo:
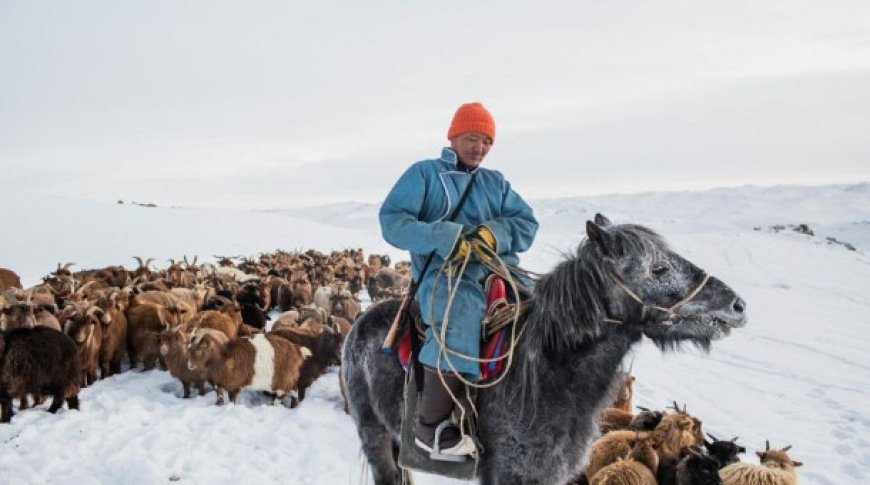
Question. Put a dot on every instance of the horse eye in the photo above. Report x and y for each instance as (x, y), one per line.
(658, 270)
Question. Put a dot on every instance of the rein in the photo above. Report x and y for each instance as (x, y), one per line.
(671, 311)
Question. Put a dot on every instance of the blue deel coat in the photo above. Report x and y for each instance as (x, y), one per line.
(414, 217)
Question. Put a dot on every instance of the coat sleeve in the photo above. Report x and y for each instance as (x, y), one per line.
(515, 228)
(400, 218)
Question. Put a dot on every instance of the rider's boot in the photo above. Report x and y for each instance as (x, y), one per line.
(434, 431)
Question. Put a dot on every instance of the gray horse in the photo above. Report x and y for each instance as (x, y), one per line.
(585, 315)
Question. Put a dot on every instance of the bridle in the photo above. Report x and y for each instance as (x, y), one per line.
(671, 311)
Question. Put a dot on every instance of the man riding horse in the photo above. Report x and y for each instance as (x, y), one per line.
(419, 215)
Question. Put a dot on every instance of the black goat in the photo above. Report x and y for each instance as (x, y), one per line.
(724, 451)
(36, 361)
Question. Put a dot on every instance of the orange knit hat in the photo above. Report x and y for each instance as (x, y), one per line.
(472, 117)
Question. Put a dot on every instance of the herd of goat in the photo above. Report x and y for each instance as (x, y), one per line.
(669, 447)
(202, 323)
(207, 323)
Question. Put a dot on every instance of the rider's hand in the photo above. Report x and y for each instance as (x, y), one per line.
(482, 235)
(460, 250)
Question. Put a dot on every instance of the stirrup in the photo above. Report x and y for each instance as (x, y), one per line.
(457, 453)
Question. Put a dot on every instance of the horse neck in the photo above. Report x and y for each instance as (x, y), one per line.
(566, 342)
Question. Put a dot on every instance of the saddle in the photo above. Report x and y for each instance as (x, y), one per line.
(499, 314)
(494, 344)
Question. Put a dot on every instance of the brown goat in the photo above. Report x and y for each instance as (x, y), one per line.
(180, 310)
(145, 322)
(113, 347)
(776, 468)
(83, 324)
(262, 362)
(215, 320)
(637, 468)
(345, 305)
(325, 351)
(174, 345)
(8, 279)
(618, 415)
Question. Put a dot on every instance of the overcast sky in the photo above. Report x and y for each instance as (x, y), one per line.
(282, 103)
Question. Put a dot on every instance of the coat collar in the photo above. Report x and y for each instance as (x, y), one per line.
(450, 157)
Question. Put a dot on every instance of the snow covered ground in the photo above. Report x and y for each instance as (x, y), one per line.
(798, 374)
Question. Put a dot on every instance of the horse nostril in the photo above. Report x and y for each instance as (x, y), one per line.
(739, 305)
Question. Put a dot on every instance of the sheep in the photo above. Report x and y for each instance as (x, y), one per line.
(37, 360)
(697, 468)
(637, 468)
(262, 362)
(84, 326)
(776, 468)
(145, 322)
(174, 349)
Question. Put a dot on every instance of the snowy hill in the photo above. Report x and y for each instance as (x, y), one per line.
(798, 374)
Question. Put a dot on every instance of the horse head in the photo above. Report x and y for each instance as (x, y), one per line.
(672, 299)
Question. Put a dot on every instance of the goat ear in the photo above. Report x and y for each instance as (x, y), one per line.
(760, 454)
(599, 235)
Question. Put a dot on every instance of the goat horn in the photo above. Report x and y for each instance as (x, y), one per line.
(84, 286)
(786, 448)
(147, 261)
(643, 408)
(712, 437)
(766, 445)
(734, 439)
(66, 266)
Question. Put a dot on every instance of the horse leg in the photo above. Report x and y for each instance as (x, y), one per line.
(5, 408)
(380, 447)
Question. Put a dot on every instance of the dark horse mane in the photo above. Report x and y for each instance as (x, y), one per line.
(565, 316)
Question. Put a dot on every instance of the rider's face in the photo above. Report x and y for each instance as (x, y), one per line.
(471, 147)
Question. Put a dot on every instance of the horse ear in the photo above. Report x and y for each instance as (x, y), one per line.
(601, 220)
(599, 235)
